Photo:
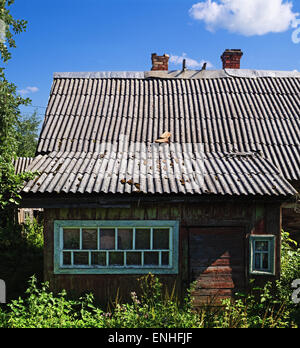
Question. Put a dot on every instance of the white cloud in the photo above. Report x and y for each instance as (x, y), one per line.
(190, 63)
(28, 90)
(246, 17)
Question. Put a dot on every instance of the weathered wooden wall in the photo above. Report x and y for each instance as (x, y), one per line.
(251, 217)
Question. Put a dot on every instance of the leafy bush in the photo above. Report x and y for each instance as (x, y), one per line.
(258, 309)
(41, 309)
(290, 266)
(290, 271)
(153, 309)
(21, 255)
(32, 231)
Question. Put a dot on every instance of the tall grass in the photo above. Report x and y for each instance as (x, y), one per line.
(41, 309)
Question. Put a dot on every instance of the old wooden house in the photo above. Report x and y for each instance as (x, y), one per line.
(183, 174)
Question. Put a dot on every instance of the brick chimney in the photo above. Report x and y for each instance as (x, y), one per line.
(160, 62)
(231, 59)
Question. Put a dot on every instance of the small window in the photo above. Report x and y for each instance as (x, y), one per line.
(116, 247)
(262, 252)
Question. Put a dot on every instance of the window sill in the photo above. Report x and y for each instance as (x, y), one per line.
(116, 270)
(262, 273)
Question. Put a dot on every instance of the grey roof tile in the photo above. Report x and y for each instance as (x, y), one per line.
(162, 169)
(90, 114)
(21, 164)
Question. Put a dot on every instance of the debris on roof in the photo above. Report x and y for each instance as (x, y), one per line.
(212, 173)
(164, 138)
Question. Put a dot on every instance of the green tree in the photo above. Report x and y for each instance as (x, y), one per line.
(10, 183)
(27, 135)
(11, 27)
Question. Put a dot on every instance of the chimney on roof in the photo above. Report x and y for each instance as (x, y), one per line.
(160, 62)
(232, 59)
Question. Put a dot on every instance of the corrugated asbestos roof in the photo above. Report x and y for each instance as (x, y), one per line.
(233, 132)
(225, 114)
(159, 169)
(21, 164)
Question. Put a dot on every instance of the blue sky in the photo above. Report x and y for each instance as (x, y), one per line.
(120, 35)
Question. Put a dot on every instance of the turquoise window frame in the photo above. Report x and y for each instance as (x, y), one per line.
(172, 268)
(271, 254)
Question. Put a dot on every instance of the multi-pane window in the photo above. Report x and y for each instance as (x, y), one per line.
(116, 247)
(262, 254)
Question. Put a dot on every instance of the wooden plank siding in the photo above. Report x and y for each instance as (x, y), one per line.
(249, 218)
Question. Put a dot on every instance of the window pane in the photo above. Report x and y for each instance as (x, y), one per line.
(81, 258)
(116, 259)
(265, 261)
(125, 239)
(165, 259)
(142, 238)
(151, 258)
(89, 239)
(257, 261)
(133, 258)
(261, 246)
(161, 238)
(66, 259)
(99, 259)
(107, 239)
(71, 238)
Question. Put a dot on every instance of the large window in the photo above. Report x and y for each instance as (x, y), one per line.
(262, 251)
(85, 247)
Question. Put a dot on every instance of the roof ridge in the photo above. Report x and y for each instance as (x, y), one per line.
(179, 74)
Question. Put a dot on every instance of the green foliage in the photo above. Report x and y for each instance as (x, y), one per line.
(27, 135)
(290, 266)
(258, 309)
(41, 309)
(152, 309)
(290, 271)
(21, 255)
(12, 27)
(32, 231)
(9, 115)
(27, 235)
(10, 183)
(18, 254)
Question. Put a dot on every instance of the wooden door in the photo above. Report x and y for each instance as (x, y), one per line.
(217, 263)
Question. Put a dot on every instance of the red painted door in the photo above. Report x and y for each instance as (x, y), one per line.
(217, 263)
